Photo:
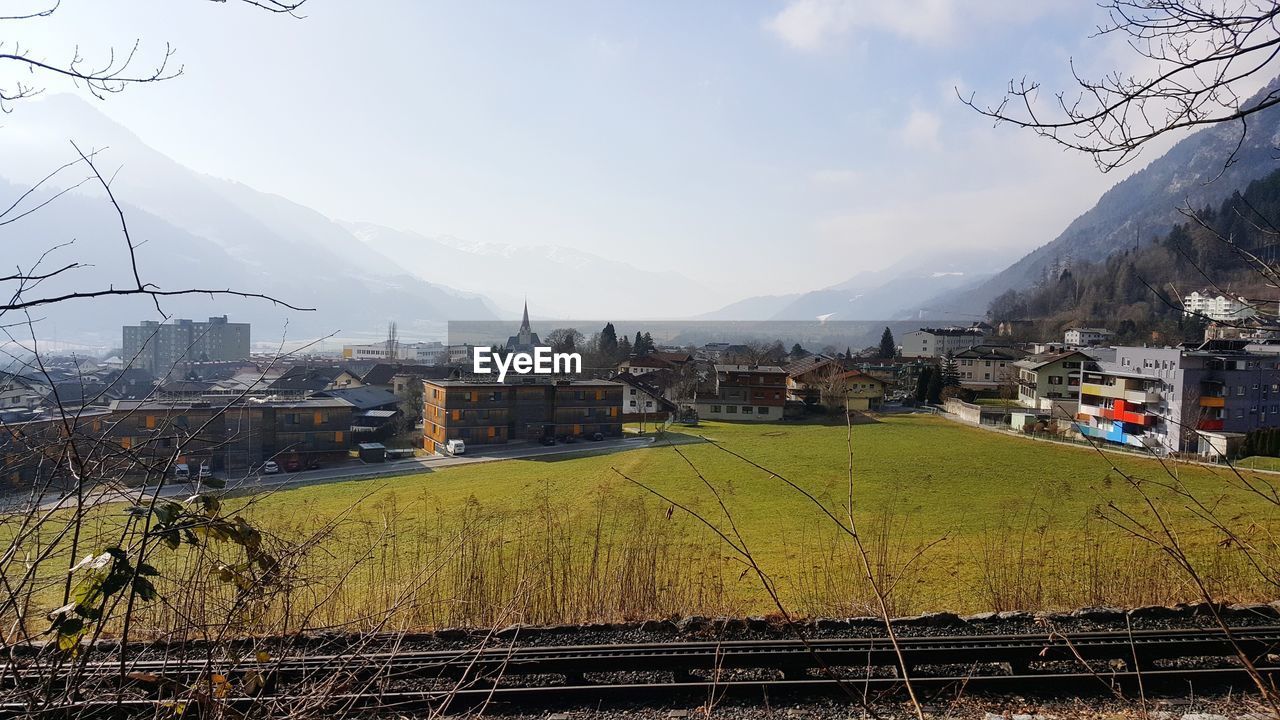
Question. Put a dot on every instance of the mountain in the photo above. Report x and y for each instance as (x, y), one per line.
(558, 281)
(869, 295)
(1143, 205)
(194, 230)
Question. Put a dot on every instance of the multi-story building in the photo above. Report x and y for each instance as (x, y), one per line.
(424, 353)
(1050, 382)
(940, 342)
(1085, 337)
(1217, 307)
(988, 367)
(1183, 399)
(169, 348)
(530, 408)
(745, 392)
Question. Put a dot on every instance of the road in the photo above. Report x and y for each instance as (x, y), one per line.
(353, 471)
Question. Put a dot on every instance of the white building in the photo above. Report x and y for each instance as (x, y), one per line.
(421, 353)
(1085, 337)
(940, 342)
(1217, 307)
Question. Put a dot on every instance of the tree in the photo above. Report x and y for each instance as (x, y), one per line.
(798, 352)
(1200, 54)
(922, 383)
(608, 345)
(888, 348)
(624, 349)
(934, 394)
(950, 375)
(565, 340)
(649, 346)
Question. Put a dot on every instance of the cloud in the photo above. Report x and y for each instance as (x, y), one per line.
(921, 130)
(816, 25)
(835, 178)
(813, 25)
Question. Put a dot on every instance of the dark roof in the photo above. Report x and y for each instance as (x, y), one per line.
(808, 364)
(1033, 362)
(633, 381)
(382, 373)
(750, 368)
(363, 398)
(991, 352)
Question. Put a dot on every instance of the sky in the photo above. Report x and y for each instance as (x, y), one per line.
(761, 147)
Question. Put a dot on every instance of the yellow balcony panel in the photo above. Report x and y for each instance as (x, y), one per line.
(1111, 391)
(1213, 402)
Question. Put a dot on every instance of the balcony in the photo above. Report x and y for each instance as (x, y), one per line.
(1212, 401)
(1142, 396)
(1209, 424)
(1098, 390)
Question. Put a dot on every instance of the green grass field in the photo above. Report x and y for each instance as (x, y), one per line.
(954, 518)
(951, 517)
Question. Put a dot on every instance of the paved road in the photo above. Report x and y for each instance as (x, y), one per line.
(362, 471)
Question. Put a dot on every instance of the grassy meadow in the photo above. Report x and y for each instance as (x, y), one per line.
(953, 518)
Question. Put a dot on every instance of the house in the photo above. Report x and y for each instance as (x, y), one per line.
(940, 342)
(1049, 383)
(531, 409)
(654, 362)
(304, 380)
(988, 367)
(642, 402)
(374, 409)
(861, 391)
(808, 376)
(744, 392)
(1206, 304)
(1085, 336)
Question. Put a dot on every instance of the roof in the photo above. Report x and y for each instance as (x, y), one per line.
(379, 413)
(991, 352)
(1035, 362)
(859, 375)
(632, 380)
(750, 368)
(363, 398)
(382, 373)
(952, 331)
(807, 364)
(1100, 331)
(222, 404)
(514, 380)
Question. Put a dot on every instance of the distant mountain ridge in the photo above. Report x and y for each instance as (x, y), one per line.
(1143, 205)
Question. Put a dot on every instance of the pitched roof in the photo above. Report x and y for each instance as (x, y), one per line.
(382, 373)
(991, 352)
(1035, 362)
(632, 380)
(363, 398)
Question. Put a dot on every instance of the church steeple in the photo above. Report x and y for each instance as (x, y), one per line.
(525, 334)
(524, 322)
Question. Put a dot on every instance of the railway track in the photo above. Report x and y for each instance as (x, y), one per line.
(1099, 662)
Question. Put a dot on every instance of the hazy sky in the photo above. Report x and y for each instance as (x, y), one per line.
(737, 141)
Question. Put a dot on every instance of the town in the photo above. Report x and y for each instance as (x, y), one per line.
(194, 399)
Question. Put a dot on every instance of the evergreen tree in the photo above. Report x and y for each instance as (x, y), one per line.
(950, 376)
(624, 348)
(609, 341)
(935, 387)
(922, 384)
(648, 344)
(798, 352)
(888, 348)
(637, 345)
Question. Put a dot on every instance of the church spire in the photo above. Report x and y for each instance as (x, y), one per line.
(524, 322)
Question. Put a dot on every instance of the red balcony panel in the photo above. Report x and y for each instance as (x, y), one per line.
(1209, 425)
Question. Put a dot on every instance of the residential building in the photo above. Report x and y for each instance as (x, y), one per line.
(654, 362)
(642, 402)
(1182, 399)
(988, 367)
(304, 380)
(861, 391)
(532, 408)
(1086, 336)
(745, 392)
(808, 376)
(1219, 307)
(171, 347)
(1050, 382)
(940, 342)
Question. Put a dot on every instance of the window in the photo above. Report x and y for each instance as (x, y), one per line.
(633, 403)
(747, 410)
(731, 409)
(762, 410)
(715, 408)
(1055, 379)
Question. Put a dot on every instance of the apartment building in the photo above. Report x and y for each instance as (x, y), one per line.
(940, 342)
(1183, 399)
(1218, 307)
(744, 392)
(1049, 383)
(1085, 336)
(171, 347)
(531, 408)
(988, 367)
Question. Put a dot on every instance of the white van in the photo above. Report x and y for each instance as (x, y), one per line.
(181, 472)
(455, 447)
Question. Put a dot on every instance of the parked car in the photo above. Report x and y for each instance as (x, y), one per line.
(270, 467)
(455, 447)
(292, 465)
(548, 440)
(205, 472)
(597, 436)
(181, 472)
